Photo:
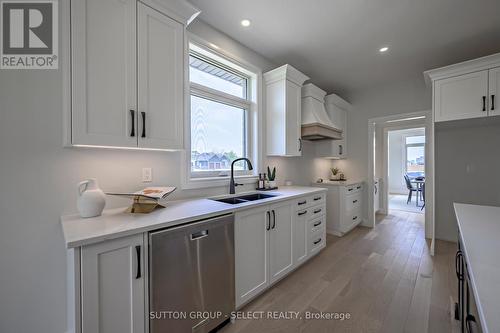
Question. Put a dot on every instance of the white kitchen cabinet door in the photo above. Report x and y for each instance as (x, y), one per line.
(300, 235)
(293, 125)
(103, 72)
(280, 241)
(251, 253)
(284, 111)
(334, 148)
(112, 286)
(161, 79)
(494, 87)
(461, 97)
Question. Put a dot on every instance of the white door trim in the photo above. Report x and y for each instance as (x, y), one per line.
(429, 165)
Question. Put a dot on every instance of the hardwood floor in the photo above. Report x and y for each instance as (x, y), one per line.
(385, 279)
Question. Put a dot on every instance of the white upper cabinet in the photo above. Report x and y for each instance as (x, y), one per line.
(337, 109)
(466, 90)
(161, 77)
(494, 87)
(461, 97)
(103, 50)
(127, 73)
(283, 108)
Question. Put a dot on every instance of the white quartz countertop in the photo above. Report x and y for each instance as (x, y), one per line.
(480, 235)
(115, 223)
(347, 182)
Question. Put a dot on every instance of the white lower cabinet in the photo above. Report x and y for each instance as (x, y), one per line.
(251, 239)
(112, 286)
(272, 241)
(280, 241)
(345, 203)
(300, 235)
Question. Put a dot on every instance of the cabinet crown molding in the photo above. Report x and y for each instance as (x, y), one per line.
(285, 72)
(334, 99)
(312, 90)
(180, 10)
(469, 66)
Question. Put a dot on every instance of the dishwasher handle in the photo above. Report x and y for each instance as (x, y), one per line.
(199, 235)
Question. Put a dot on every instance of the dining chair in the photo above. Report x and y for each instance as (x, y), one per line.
(410, 188)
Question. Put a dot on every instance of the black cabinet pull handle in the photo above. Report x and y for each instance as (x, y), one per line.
(316, 242)
(458, 261)
(268, 227)
(484, 103)
(302, 203)
(132, 128)
(317, 211)
(138, 253)
(492, 102)
(358, 187)
(350, 189)
(300, 144)
(354, 201)
(274, 219)
(341, 150)
(302, 213)
(355, 217)
(317, 198)
(143, 114)
(316, 224)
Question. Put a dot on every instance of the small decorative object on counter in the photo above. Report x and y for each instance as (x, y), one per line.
(320, 180)
(148, 199)
(272, 177)
(264, 183)
(342, 177)
(335, 174)
(91, 200)
(260, 186)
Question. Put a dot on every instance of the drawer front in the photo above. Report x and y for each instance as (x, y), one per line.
(309, 201)
(351, 189)
(350, 220)
(317, 241)
(317, 211)
(316, 224)
(353, 202)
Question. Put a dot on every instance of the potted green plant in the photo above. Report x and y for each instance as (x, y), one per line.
(271, 176)
(335, 173)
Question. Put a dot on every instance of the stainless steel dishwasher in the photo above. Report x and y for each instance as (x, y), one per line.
(191, 281)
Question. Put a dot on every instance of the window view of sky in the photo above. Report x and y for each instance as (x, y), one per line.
(415, 154)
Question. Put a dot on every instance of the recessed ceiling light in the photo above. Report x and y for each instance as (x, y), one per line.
(245, 23)
(383, 49)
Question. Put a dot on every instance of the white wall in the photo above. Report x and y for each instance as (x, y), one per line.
(397, 163)
(467, 169)
(37, 185)
(399, 97)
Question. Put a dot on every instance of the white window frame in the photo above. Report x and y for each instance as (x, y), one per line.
(406, 145)
(252, 105)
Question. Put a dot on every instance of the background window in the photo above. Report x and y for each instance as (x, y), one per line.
(415, 156)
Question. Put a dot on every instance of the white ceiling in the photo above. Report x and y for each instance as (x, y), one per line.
(336, 42)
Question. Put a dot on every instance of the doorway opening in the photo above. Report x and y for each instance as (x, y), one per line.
(406, 169)
(400, 168)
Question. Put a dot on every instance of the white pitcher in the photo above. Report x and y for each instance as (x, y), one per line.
(91, 200)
